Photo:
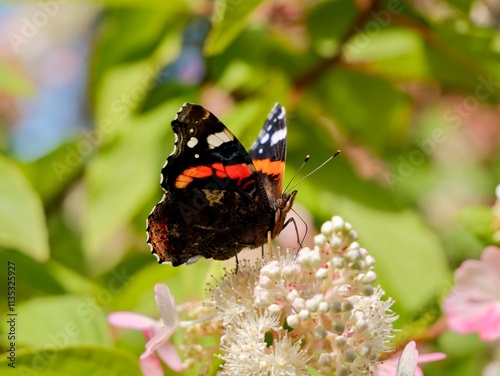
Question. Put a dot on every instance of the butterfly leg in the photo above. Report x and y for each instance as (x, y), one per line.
(299, 241)
(269, 244)
(237, 263)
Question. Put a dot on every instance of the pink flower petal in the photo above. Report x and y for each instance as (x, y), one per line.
(473, 305)
(490, 330)
(166, 305)
(151, 366)
(170, 356)
(432, 357)
(160, 338)
(131, 320)
(491, 256)
(478, 275)
(387, 368)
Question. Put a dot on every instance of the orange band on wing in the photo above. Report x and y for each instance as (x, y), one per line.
(192, 173)
(268, 167)
(236, 172)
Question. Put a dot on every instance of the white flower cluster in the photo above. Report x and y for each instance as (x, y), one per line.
(316, 310)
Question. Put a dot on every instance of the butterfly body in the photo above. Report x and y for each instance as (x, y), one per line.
(219, 198)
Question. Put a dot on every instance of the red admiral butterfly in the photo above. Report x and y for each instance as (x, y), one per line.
(219, 198)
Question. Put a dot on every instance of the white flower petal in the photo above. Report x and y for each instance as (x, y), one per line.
(408, 362)
(166, 305)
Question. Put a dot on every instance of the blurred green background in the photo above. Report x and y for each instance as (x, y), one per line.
(408, 90)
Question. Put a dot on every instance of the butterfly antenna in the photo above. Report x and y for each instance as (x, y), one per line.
(296, 173)
(313, 171)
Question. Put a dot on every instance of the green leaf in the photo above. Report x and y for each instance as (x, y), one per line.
(328, 22)
(394, 53)
(364, 106)
(51, 174)
(461, 345)
(82, 360)
(22, 220)
(138, 294)
(124, 176)
(229, 19)
(12, 82)
(462, 5)
(35, 278)
(478, 220)
(465, 57)
(131, 35)
(60, 321)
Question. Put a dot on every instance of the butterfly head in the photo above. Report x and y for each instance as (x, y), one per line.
(283, 205)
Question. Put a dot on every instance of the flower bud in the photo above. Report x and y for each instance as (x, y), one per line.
(274, 308)
(347, 306)
(292, 295)
(320, 332)
(338, 223)
(293, 321)
(325, 360)
(369, 278)
(320, 240)
(292, 270)
(322, 273)
(342, 371)
(349, 355)
(299, 304)
(340, 342)
(304, 314)
(338, 327)
(367, 290)
(327, 228)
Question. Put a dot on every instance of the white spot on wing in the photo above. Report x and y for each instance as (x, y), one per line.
(278, 136)
(193, 141)
(269, 127)
(281, 115)
(197, 156)
(217, 139)
(260, 151)
(264, 139)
